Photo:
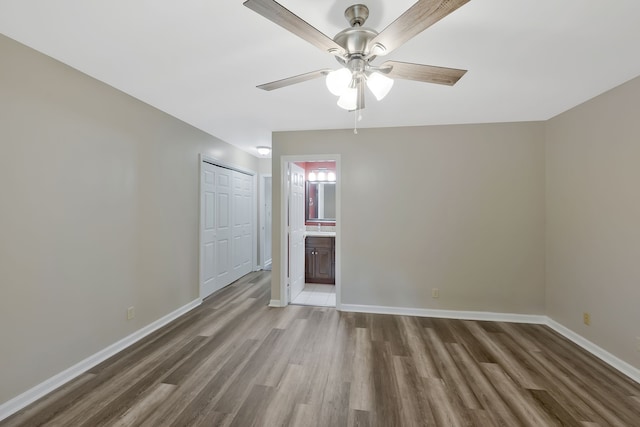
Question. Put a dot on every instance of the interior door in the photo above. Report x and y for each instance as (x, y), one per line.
(296, 231)
(242, 228)
(227, 226)
(208, 215)
(223, 228)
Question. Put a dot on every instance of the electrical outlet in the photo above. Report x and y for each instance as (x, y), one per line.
(586, 318)
(435, 293)
(131, 313)
(638, 344)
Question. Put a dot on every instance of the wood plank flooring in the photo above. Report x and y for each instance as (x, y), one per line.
(236, 362)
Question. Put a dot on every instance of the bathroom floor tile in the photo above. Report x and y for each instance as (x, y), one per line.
(317, 295)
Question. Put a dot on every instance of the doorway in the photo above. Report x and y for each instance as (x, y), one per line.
(297, 256)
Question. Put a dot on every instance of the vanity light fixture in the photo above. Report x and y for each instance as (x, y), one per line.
(321, 175)
(263, 150)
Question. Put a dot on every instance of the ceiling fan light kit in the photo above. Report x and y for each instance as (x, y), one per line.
(356, 47)
(343, 81)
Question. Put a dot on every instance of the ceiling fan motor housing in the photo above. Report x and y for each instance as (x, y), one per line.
(357, 14)
(356, 40)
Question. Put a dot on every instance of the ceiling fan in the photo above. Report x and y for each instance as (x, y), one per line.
(357, 46)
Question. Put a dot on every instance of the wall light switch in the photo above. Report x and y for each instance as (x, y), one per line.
(435, 293)
(131, 313)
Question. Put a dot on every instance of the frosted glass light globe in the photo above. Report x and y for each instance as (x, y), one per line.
(379, 85)
(349, 99)
(338, 81)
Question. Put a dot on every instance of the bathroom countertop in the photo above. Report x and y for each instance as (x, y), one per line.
(320, 233)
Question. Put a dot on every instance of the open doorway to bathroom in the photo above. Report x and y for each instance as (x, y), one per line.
(313, 212)
(319, 234)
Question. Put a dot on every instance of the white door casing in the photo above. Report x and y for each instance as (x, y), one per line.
(297, 229)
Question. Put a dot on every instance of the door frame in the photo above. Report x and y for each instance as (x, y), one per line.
(284, 216)
(203, 158)
(262, 212)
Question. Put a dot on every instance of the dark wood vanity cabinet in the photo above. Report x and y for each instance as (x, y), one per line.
(320, 260)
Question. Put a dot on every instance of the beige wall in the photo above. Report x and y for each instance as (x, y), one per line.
(264, 166)
(593, 220)
(459, 208)
(99, 212)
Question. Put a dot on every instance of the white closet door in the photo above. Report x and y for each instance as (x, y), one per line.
(296, 231)
(242, 230)
(208, 241)
(224, 243)
(227, 227)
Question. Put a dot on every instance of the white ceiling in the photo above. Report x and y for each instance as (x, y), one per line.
(201, 60)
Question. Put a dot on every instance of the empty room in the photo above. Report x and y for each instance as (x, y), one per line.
(303, 213)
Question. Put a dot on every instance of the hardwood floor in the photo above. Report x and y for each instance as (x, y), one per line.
(236, 362)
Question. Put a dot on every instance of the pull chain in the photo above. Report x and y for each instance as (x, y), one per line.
(357, 116)
(355, 122)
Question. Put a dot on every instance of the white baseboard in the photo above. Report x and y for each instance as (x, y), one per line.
(446, 314)
(275, 303)
(602, 354)
(17, 403)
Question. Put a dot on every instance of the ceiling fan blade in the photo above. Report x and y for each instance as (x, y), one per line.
(415, 20)
(294, 80)
(422, 73)
(278, 14)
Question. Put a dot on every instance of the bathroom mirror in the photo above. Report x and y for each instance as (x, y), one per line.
(321, 201)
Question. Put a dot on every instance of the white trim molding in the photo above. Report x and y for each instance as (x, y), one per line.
(602, 354)
(19, 402)
(446, 314)
(276, 303)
